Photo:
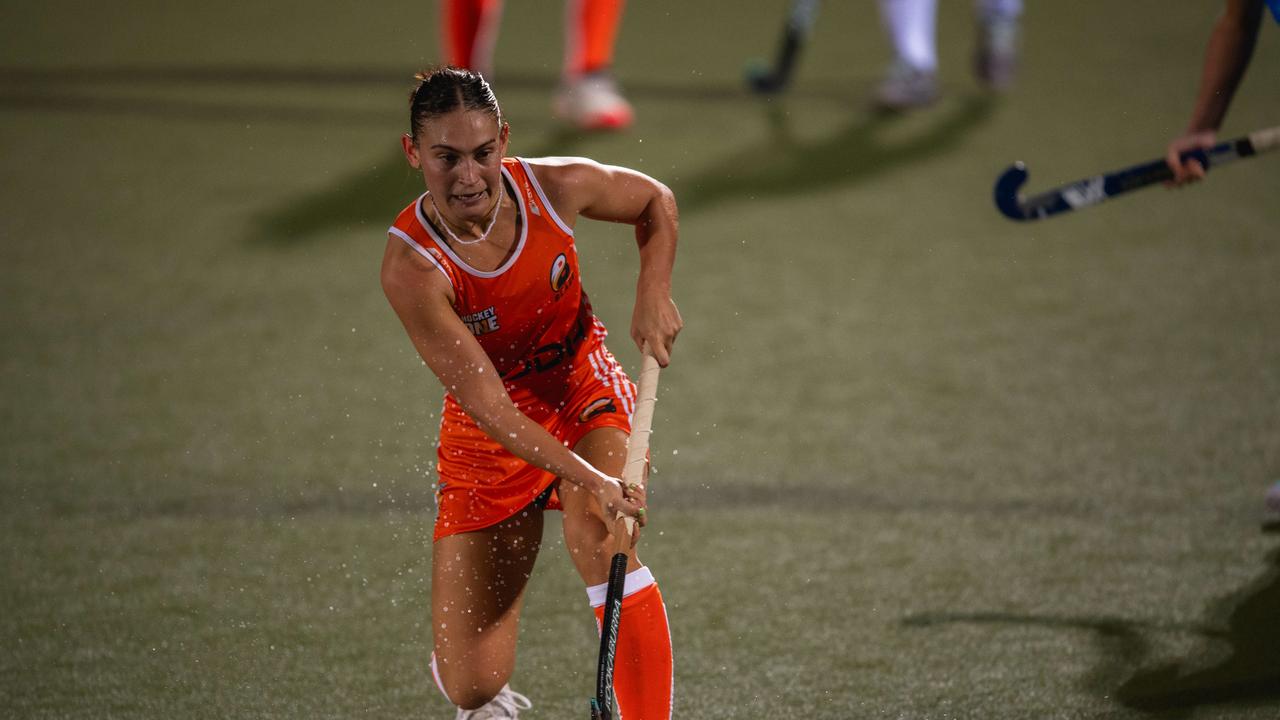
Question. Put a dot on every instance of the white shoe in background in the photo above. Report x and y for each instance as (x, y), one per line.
(592, 102)
(906, 87)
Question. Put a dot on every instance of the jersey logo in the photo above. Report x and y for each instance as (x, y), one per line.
(533, 204)
(560, 274)
(483, 322)
(599, 406)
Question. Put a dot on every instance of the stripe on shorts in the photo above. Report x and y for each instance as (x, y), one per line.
(611, 374)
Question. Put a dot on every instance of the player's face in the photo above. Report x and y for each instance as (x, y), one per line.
(460, 155)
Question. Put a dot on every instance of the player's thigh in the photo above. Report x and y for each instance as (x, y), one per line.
(586, 537)
(478, 581)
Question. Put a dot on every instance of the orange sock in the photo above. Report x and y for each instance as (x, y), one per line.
(643, 667)
(590, 27)
(469, 29)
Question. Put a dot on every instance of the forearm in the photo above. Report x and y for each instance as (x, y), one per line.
(656, 234)
(1226, 58)
(462, 367)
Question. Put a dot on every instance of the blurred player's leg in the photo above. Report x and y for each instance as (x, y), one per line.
(591, 29)
(911, 81)
(643, 666)
(912, 28)
(470, 30)
(996, 57)
(588, 97)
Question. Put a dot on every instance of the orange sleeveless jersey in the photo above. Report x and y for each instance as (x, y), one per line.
(533, 319)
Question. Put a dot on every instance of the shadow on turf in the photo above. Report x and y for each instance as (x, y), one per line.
(320, 77)
(96, 91)
(782, 165)
(1247, 622)
(359, 202)
(363, 203)
(779, 166)
(1250, 672)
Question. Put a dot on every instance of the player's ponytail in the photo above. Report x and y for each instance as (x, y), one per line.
(441, 90)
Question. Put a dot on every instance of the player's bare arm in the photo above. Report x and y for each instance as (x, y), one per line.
(578, 186)
(1227, 57)
(422, 299)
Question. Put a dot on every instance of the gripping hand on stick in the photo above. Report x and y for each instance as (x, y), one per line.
(1189, 169)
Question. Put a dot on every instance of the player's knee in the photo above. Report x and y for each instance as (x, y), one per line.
(588, 540)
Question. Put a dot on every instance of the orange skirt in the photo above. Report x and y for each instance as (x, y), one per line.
(481, 483)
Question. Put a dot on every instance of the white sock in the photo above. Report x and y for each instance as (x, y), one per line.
(912, 28)
(637, 580)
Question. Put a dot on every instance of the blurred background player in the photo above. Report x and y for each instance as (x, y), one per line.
(912, 79)
(482, 270)
(588, 97)
(1230, 48)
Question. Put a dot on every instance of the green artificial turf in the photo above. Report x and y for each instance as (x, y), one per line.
(912, 460)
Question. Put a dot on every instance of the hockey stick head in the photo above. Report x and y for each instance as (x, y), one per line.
(1006, 192)
(764, 80)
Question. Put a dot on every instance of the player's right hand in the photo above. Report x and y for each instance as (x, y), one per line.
(611, 500)
(1191, 170)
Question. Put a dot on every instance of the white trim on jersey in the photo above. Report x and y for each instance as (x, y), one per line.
(413, 244)
(551, 211)
(524, 233)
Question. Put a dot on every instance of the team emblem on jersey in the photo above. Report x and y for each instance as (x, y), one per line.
(599, 406)
(560, 273)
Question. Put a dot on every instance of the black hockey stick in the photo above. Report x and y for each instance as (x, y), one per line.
(602, 703)
(800, 18)
(632, 473)
(1093, 190)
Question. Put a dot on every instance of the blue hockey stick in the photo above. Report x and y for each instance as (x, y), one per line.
(800, 19)
(1093, 190)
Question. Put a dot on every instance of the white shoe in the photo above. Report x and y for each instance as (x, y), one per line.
(507, 704)
(906, 88)
(592, 102)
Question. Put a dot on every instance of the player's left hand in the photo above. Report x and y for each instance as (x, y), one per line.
(1191, 170)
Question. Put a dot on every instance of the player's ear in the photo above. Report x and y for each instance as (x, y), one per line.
(410, 150)
(503, 135)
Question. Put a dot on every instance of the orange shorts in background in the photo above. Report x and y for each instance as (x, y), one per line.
(481, 483)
